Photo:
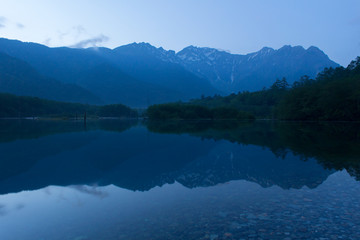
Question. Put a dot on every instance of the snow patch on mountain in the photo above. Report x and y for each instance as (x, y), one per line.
(234, 72)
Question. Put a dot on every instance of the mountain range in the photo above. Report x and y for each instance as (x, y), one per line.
(18, 77)
(233, 72)
(140, 74)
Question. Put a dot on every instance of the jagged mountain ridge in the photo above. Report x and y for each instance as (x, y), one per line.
(233, 72)
(140, 74)
(157, 66)
(100, 71)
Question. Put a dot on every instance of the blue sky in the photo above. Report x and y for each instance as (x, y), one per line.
(238, 26)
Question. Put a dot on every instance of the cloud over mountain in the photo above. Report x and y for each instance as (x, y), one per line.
(20, 25)
(2, 21)
(91, 42)
(140, 74)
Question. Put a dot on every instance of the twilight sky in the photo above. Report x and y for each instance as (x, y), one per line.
(238, 26)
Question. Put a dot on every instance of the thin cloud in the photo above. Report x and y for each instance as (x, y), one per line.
(2, 210)
(2, 22)
(91, 42)
(75, 31)
(47, 42)
(20, 25)
(79, 30)
(90, 190)
(61, 35)
(19, 206)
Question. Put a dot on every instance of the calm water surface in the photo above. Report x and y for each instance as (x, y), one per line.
(179, 180)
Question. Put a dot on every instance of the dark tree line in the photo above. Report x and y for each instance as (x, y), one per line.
(190, 112)
(18, 106)
(334, 95)
(259, 103)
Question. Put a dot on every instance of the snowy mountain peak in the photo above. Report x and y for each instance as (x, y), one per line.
(235, 72)
(146, 49)
(139, 45)
(200, 50)
(266, 50)
(262, 53)
(195, 54)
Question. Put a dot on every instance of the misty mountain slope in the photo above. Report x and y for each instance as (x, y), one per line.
(64, 64)
(233, 72)
(107, 82)
(140, 74)
(134, 78)
(158, 66)
(18, 77)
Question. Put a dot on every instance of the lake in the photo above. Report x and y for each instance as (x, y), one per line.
(113, 179)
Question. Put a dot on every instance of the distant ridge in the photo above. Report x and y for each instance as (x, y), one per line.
(18, 77)
(253, 71)
(140, 74)
(114, 76)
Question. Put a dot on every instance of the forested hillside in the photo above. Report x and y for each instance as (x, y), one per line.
(333, 95)
(139, 74)
(12, 106)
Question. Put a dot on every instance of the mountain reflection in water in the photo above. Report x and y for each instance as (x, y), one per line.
(135, 156)
(116, 179)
